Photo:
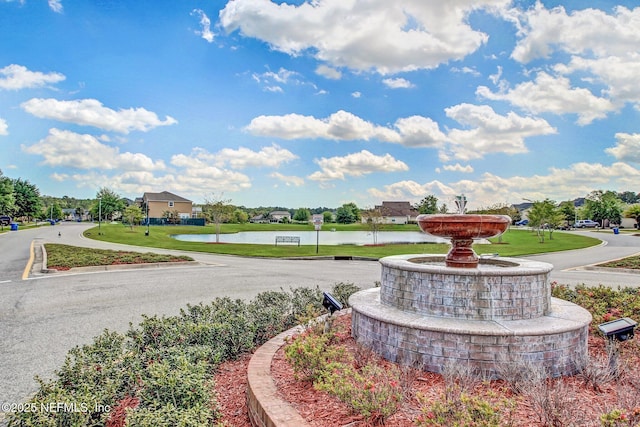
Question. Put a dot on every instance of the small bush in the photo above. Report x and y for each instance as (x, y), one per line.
(373, 392)
(309, 354)
(467, 411)
(170, 416)
(342, 291)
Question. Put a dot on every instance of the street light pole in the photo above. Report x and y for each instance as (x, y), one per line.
(147, 203)
(99, 215)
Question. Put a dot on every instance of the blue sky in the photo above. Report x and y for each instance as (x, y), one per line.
(320, 103)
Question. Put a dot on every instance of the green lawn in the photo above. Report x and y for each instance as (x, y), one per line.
(514, 242)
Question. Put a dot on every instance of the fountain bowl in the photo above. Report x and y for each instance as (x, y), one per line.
(462, 229)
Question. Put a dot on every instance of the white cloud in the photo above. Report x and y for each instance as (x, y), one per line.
(63, 148)
(490, 132)
(289, 180)
(489, 189)
(205, 23)
(272, 80)
(458, 168)
(55, 5)
(241, 158)
(627, 148)
(555, 95)
(356, 164)
(197, 172)
(341, 125)
(4, 127)
(619, 74)
(90, 112)
(418, 131)
(603, 49)
(411, 190)
(356, 94)
(328, 72)
(398, 83)
(16, 77)
(583, 32)
(495, 78)
(466, 70)
(487, 132)
(386, 37)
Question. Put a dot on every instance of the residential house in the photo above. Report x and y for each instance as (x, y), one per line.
(160, 203)
(259, 219)
(280, 216)
(394, 213)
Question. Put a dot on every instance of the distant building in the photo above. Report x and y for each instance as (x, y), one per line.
(159, 203)
(280, 216)
(393, 213)
(259, 219)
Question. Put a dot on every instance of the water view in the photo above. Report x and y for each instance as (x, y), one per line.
(309, 237)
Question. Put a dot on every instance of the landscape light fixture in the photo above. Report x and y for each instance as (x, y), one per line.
(330, 303)
(618, 330)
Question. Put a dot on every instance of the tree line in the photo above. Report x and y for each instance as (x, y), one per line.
(21, 199)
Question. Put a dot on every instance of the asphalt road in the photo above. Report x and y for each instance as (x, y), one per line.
(44, 316)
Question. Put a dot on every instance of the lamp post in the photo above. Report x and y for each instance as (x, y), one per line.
(147, 205)
(99, 215)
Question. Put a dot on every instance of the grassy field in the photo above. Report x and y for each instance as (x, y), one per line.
(514, 242)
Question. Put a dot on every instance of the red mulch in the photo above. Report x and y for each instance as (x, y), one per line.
(321, 409)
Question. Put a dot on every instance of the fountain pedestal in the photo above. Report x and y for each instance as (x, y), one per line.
(492, 314)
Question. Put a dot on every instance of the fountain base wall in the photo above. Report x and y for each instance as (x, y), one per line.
(387, 321)
(500, 289)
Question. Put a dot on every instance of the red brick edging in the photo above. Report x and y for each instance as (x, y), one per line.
(266, 408)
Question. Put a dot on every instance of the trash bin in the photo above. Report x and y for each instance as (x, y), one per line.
(14, 226)
(616, 230)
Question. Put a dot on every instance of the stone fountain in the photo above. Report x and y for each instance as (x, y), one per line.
(487, 312)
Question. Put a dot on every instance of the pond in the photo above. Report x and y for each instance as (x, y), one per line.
(309, 237)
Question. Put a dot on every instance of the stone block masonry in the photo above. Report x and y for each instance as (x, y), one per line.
(498, 315)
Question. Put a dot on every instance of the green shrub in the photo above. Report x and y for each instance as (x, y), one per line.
(466, 411)
(309, 354)
(604, 303)
(170, 416)
(342, 291)
(270, 314)
(179, 382)
(373, 392)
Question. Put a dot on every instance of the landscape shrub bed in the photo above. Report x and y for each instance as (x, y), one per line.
(160, 373)
(371, 391)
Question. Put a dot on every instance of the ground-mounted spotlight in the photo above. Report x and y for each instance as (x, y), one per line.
(330, 303)
(618, 330)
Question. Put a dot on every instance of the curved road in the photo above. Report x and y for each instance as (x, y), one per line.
(44, 315)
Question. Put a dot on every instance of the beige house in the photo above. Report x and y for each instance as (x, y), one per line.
(393, 213)
(280, 216)
(159, 203)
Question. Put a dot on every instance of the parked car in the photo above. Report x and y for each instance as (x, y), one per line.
(585, 223)
(5, 220)
(522, 222)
